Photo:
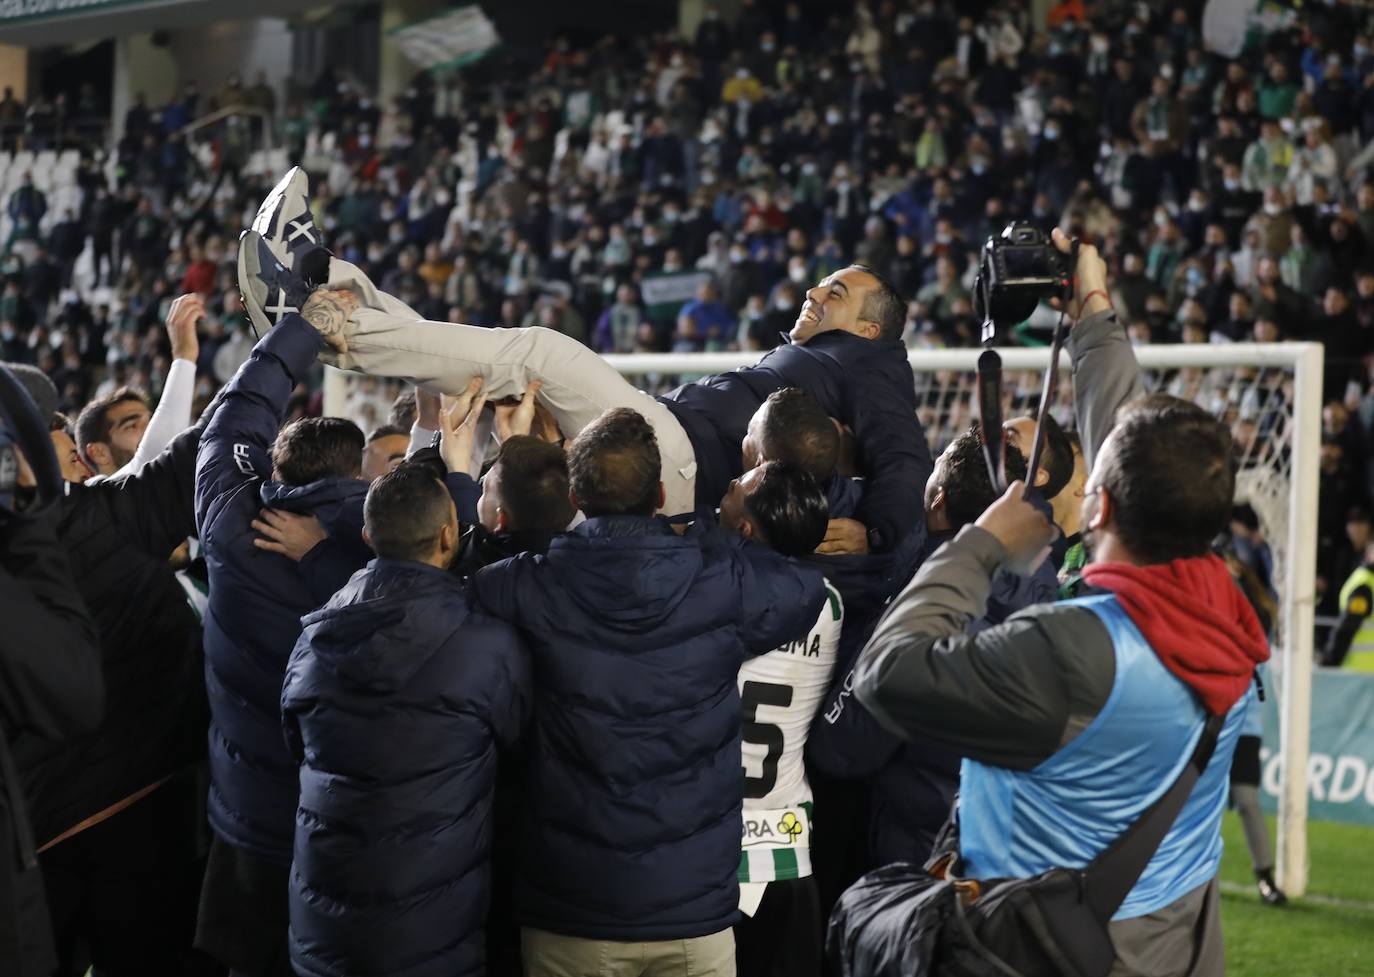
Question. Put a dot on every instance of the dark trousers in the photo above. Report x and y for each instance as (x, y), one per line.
(244, 917)
(784, 937)
(121, 894)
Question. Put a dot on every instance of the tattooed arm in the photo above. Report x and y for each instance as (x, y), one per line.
(327, 310)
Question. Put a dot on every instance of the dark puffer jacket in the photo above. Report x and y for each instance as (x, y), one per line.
(865, 383)
(396, 699)
(257, 598)
(119, 534)
(633, 792)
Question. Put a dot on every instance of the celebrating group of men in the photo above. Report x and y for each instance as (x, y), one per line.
(638, 685)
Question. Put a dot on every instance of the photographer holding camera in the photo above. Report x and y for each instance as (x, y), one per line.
(1076, 717)
(50, 676)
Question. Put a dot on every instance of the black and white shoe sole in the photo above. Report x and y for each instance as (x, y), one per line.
(250, 273)
(284, 219)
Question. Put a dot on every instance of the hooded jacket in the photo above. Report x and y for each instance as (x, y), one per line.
(396, 701)
(633, 795)
(257, 598)
(867, 384)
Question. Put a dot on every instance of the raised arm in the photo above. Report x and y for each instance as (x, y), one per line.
(1105, 372)
(1012, 694)
(173, 413)
(234, 447)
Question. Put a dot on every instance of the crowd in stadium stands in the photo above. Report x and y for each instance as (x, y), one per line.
(584, 193)
(668, 193)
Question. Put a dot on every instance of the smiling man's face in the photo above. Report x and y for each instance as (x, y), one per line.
(837, 302)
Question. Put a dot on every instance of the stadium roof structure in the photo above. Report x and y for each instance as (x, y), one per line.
(45, 23)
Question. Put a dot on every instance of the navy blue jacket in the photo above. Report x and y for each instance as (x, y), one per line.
(633, 790)
(913, 784)
(395, 702)
(865, 383)
(257, 598)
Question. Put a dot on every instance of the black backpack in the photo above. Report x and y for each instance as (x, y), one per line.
(905, 921)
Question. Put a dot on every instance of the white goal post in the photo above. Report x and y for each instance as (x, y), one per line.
(1270, 392)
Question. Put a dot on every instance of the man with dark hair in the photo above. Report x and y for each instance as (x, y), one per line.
(790, 426)
(960, 487)
(779, 935)
(109, 429)
(882, 305)
(402, 692)
(845, 350)
(522, 504)
(638, 634)
(316, 448)
(384, 449)
(248, 462)
(1166, 641)
(526, 489)
(1056, 455)
(779, 505)
(403, 411)
(68, 458)
(116, 435)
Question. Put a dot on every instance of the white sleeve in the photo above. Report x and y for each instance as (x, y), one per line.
(173, 415)
(420, 437)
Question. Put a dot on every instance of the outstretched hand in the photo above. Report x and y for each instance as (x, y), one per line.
(844, 537)
(514, 420)
(1020, 527)
(1090, 277)
(458, 417)
(287, 533)
(186, 312)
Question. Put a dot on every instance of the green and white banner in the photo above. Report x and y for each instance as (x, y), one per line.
(1340, 765)
(449, 40)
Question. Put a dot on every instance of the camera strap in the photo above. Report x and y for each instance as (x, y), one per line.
(989, 402)
(1051, 388)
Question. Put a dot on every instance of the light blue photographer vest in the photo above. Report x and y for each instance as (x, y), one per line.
(1064, 812)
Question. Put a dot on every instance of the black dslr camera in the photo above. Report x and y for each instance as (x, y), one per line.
(1020, 267)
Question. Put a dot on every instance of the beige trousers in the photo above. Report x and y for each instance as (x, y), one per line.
(387, 338)
(551, 955)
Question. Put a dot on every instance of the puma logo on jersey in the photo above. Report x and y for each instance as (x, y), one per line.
(808, 647)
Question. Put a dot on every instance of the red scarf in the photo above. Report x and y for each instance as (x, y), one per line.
(1195, 618)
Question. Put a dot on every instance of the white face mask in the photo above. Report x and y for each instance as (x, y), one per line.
(1273, 210)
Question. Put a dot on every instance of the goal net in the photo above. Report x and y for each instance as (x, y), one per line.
(1270, 397)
